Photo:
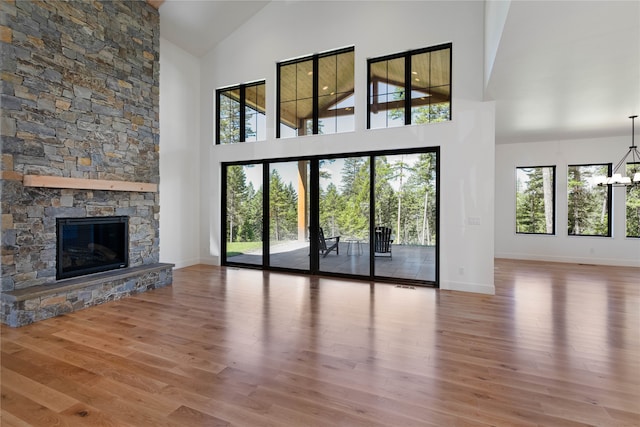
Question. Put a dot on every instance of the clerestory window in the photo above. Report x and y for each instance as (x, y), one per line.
(316, 94)
(409, 88)
(241, 113)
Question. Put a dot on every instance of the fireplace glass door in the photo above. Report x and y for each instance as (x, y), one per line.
(91, 245)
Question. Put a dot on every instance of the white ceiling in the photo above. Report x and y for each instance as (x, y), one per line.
(567, 70)
(563, 69)
(197, 26)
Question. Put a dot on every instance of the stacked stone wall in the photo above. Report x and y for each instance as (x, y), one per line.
(79, 98)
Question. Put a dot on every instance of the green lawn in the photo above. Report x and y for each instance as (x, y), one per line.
(239, 248)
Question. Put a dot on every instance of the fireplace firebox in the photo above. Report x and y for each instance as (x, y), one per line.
(91, 245)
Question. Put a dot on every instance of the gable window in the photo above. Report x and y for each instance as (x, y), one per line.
(535, 200)
(409, 88)
(589, 205)
(241, 113)
(633, 204)
(316, 94)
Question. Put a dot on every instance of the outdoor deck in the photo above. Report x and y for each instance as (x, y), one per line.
(407, 261)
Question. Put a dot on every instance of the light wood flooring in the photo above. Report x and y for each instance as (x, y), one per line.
(558, 345)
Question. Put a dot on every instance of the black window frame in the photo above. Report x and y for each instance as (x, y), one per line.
(315, 58)
(243, 105)
(609, 193)
(628, 190)
(555, 185)
(314, 214)
(407, 79)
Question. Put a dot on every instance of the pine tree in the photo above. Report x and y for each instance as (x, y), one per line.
(587, 205)
(236, 197)
(229, 120)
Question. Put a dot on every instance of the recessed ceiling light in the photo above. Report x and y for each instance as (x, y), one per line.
(325, 87)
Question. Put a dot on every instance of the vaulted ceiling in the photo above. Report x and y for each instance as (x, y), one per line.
(563, 69)
(566, 70)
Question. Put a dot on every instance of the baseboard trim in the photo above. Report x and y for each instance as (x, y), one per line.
(572, 260)
(478, 288)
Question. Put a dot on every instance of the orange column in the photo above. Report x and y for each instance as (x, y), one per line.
(302, 200)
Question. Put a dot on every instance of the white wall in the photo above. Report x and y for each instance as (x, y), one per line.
(283, 30)
(616, 250)
(179, 156)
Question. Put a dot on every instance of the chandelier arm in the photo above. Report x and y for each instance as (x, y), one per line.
(635, 154)
(624, 159)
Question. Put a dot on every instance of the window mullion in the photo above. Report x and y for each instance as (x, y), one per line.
(316, 110)
(242, 119)
(407, 89)
(278, 100)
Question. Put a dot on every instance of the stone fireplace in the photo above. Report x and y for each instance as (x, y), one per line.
(79, 127)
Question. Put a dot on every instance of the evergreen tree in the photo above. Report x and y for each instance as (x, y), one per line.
(351, 169)
(386, 198)
(587, 205)
(252, 224)
(423, 181)
(283, 204)
(633, 208)
(236, 196)
(431, 113)
(331, 205)
(354, 216)
(229, 120)
(532, 202)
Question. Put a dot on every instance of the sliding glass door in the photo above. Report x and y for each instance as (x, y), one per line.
(243, 219)
(289, 215)
(370, 215)
(344, 208)
(405, 232)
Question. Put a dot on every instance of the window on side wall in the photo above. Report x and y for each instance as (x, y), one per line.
(409, 88)
(535, 199)
(633, 203)
(316, 94)
(589, 205)
(241, 113)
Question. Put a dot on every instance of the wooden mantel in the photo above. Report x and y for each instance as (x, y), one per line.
(155, 3)
(87, 184)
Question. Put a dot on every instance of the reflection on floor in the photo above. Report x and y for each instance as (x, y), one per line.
(406, 262)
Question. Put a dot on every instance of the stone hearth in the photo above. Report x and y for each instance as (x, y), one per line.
(25, 306)
(80, 100)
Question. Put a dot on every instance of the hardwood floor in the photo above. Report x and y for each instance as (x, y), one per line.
(558, 345)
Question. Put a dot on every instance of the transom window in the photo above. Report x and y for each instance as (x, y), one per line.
(315, 94)
(410, 88)
(241, 113)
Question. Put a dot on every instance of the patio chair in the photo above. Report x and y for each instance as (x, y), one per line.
(327, 244)
(383, 241)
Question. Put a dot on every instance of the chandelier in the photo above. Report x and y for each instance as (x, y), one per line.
(620, 176)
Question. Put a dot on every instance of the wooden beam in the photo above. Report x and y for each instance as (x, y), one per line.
(87, 184)
(155, 3)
